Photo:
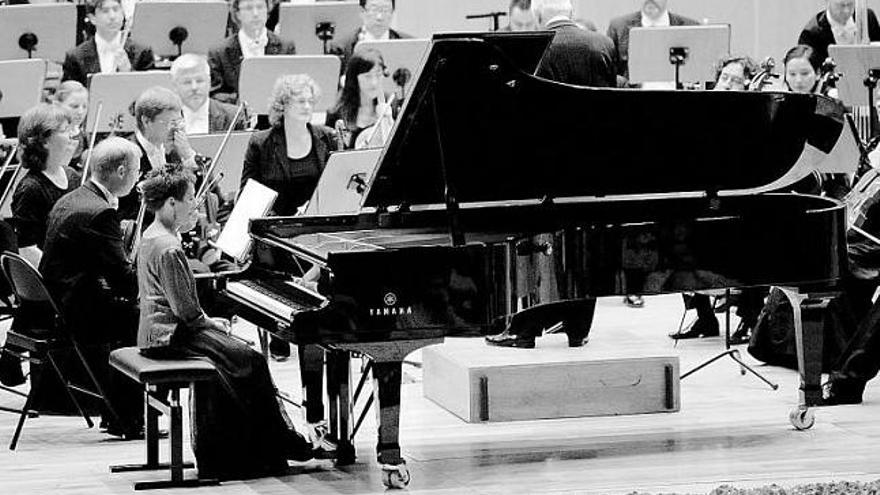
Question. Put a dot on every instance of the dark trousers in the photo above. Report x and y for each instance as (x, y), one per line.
(860, 359)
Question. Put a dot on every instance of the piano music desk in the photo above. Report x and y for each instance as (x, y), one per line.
(478, 383)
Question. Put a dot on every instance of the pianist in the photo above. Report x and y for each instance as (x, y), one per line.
(240, 430)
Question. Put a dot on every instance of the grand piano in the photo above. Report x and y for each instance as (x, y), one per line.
(489, 164)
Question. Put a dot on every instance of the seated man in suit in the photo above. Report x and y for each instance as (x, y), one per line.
(191, 76)
(520, 16)
(105, 52)
(836, 25)
(653, 13)
(88, 274)
(376, 16)
(252, 39)
(575, 56)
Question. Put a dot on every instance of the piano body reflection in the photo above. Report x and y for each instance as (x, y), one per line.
(489, 164)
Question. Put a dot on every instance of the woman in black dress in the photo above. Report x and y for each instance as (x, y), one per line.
(239, 428)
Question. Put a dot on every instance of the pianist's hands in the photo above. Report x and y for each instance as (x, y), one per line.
(221, 325)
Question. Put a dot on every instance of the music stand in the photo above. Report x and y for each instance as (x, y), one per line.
(258, 75)
(692, 51)
(327, 20)
(859, 68)
(255, 201)
(37, 31)
(118, 92)
(21, 83)
(341, 186)
(403, 59)
(231, 160)
(177, 27)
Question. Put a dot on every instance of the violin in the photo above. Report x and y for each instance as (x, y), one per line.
(765, 76)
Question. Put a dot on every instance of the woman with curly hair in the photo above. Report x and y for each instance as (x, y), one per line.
(45, 134)
(290, 156)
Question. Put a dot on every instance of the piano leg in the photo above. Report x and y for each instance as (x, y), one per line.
(809, 340)
(311, 369)
(339, 393)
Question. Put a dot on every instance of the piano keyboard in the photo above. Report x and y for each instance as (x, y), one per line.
(267, 298)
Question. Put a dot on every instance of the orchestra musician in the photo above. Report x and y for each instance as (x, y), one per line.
(362, 104)
(520, 16)
(376, 16)
(835, 25)
(109, 50)
(653, 13)
(734, 73)
(252, 40)
(575, 56)
(191, 77)
(240, 429)
(45, 134)
(801, 69)
(74, 97)
(87, 273)
(290, 156)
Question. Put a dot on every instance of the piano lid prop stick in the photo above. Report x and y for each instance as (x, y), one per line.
(85, 172)
(207, 179)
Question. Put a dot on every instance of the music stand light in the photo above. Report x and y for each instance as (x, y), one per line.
(258, 75)
(174, 28)
(116, 93)
(37, 31)
(693, 52)
(21, 83)
(403, 59)
(327, 21)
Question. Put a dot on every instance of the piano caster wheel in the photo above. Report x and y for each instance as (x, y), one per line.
(802, 418)
(395, 476)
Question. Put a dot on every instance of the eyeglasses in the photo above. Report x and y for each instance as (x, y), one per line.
(732, 80)
(379, 10)
(303, 101)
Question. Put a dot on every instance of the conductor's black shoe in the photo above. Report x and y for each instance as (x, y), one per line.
(505, 339)
(702, 327)
(840, 391)
(634, 301)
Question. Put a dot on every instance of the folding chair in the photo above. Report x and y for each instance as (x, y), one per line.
(44, 345)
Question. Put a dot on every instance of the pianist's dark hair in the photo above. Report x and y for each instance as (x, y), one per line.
(349, 101)
(34, 130)
(93, 5)
(169, 182)
(364, 4)
(750, 68)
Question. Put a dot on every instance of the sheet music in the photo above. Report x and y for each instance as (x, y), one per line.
(254, 202)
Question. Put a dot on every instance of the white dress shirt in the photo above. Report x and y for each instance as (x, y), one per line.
(107, 52)
(662, 21)
(197, 121)
(844, 34)
(251, 47)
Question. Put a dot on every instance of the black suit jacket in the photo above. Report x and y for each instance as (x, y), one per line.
(83, 60)
(265, 162)
(618, 31)
(83, 262)
(577, 56)
(225, 61)
(220, 116)
(818, 34)
(344, 47)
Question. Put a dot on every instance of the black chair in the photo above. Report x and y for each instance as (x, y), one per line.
(41, 345)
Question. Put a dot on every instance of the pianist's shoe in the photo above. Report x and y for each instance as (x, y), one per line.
(706, 326)
(507, 339)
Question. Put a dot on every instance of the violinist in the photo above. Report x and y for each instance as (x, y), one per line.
(87, 273)
(362, 103)
(74, 97)
(109, 50)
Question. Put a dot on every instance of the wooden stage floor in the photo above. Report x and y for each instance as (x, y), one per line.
(732, 429)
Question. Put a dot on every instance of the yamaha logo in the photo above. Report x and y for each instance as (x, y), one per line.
(390, 299)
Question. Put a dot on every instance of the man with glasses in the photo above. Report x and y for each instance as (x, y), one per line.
(376, 16)
(253, 39)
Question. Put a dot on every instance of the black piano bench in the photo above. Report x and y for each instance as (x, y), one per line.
(162, 379)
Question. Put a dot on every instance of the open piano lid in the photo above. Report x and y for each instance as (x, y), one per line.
(507, 135)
